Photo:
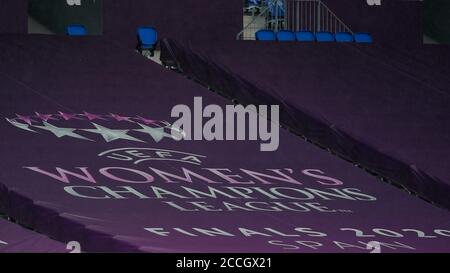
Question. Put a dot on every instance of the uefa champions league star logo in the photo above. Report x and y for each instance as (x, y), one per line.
(195, 122)
(96, 127)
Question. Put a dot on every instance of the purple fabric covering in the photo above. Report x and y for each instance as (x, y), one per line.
(377, 106)
(189, 20)
(48, 75)
(14, 239)
(13, 16)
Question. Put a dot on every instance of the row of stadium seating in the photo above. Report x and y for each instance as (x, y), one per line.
(308, 36)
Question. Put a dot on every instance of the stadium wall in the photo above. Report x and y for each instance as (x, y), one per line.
(218, 21)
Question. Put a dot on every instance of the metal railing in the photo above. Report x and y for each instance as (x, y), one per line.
(293, 15)
(314, 16)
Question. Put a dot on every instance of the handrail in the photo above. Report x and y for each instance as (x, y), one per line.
(296, 16)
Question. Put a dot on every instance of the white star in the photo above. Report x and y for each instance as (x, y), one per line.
(111, 134)
(156, 133)
(20, 125)
(61, 132)
(3, 242)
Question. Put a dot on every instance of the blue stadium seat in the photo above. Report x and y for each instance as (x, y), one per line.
(76, 30)
(285, 35)
(305, 36)
(362, 37)
(324, 36)
(265, 35)
(147, 39)
(343, 37)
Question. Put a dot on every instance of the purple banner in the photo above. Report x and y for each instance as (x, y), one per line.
(14, 238)
(87, 157)
(383, 108)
